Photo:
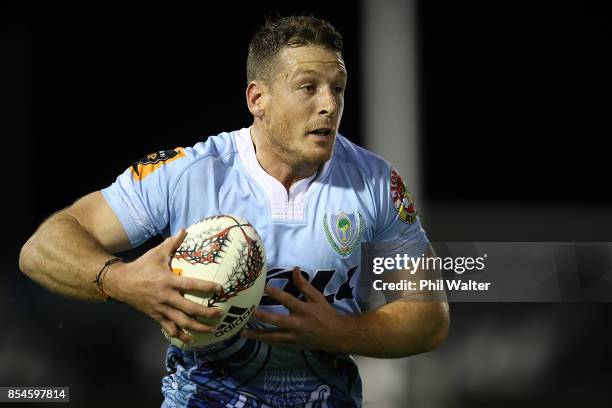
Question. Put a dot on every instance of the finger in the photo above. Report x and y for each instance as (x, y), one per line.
(173, 330)
(171, 244)
(194, 309)
(185, 322)
(185, 284)
(290, 302)
(276, 319)
(169, 328)
(309, 291)
(272, 336)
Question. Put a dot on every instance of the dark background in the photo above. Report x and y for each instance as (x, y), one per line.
(514, 105)
(515, 100)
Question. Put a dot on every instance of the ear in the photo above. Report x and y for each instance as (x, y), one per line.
(255, 96)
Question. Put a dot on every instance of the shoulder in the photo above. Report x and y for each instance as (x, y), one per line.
(355, 158)
(171, 164)
(215, 147)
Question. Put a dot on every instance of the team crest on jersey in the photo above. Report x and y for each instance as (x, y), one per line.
(151, 162)
(402, 199)
(343, 231)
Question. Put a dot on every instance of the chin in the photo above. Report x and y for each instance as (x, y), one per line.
(318, 156)
(320, 153)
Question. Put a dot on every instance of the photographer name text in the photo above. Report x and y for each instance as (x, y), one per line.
(432, 285)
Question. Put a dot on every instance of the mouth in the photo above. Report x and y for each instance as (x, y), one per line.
(323, 131)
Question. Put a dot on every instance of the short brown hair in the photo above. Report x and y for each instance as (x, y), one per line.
(292, 31)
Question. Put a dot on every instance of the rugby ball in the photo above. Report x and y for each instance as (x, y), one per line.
(225, 249)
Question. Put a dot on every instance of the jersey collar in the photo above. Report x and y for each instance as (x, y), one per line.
(287, 206)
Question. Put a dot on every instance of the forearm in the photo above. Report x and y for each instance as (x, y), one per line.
(398, 329)
(63, 257)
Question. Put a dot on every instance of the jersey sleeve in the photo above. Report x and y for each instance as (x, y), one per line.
(398, 222)
(140, 196)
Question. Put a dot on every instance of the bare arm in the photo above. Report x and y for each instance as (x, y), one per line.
(398, 329)
(68, 249)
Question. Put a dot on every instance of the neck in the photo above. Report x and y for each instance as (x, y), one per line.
(275, 164)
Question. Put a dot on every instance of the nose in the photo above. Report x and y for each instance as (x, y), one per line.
(328, 101)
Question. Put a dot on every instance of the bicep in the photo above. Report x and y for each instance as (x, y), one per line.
(430, 318)
(96, 216)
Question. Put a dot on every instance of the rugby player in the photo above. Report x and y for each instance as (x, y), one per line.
(312, 195)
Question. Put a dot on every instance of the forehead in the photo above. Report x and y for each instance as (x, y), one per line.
(292, 61)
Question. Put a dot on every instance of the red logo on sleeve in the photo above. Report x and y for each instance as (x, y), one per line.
(402, 199)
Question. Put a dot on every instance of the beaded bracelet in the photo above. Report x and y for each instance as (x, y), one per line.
(100, 278)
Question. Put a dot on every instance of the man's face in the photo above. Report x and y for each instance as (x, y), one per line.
(305, 104)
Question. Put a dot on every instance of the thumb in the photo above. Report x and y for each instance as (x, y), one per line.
(171, 244)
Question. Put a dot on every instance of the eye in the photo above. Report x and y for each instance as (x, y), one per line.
(308, 88)
(339, 89)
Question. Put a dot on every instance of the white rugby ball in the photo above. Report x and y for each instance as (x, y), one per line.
(225, 249)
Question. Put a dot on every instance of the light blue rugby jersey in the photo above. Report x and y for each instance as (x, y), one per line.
(356, 196)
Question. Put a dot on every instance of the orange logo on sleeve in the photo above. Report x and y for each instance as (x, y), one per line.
(151, 162)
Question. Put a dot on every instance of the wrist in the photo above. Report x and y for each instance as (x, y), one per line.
(345, 338)
(108, 279)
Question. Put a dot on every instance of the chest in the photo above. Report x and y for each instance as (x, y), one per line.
(319, 231)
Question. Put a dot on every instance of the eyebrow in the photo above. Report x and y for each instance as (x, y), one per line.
(313, 72)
